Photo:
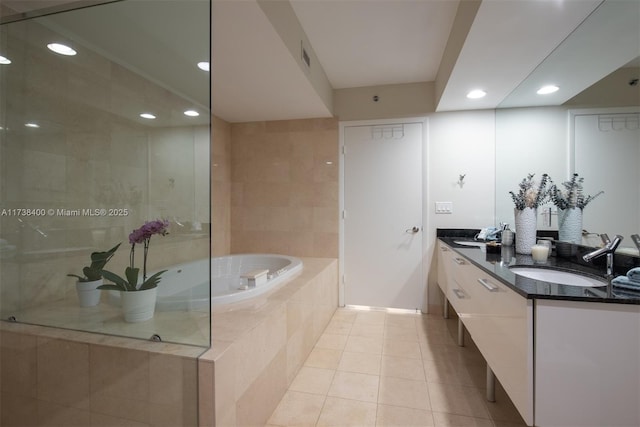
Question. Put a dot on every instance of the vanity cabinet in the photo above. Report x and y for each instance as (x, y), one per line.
(587, 364)
(445, 257)
(584, 369)
(500, 323)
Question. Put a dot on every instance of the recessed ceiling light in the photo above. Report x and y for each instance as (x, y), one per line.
(191, 113)
(32, 125)
(204, 65)
(475, 94)
(147, 116)
(61, 49)
(4, 60)
(546, 90)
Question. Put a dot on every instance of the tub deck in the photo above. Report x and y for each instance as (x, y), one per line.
(258, 347)
(260, 344)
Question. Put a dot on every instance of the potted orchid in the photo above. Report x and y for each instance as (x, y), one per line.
(530, 196)
(571, 202)
(87, 284)
(137, 291)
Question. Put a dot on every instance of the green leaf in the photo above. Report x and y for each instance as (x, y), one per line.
(100, 259)
(91, 274)
(80, 278)
(152, 281)
(119, 281)
(132, 276)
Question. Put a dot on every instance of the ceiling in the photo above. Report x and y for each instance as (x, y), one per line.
(382, 42)
(256, 74)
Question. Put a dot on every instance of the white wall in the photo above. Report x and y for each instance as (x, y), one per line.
(459, 143)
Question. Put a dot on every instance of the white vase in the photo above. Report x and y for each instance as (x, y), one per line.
(570, 225)
(138, 306)
(526, 228)
(88, 293)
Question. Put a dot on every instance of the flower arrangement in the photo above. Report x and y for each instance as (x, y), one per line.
(142, 236)
(573, 194)
(93, 272)
(530, 195)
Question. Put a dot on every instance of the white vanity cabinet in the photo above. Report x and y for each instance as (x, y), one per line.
(445, 255)
(587, 364)
(586, 357)
(501, 324)
(448, 266)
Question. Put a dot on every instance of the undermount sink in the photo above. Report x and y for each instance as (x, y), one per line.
(559, 276)
(469, 243)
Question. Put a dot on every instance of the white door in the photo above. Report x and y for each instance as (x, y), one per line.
(383, 216)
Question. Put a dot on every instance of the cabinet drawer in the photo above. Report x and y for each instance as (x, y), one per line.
(498, 320)
(459, 298)
(444, 255)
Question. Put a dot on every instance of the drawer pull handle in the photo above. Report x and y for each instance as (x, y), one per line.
(459, 293)
(459, 261)
(488, 285)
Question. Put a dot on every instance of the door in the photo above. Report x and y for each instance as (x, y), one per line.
(383, 216)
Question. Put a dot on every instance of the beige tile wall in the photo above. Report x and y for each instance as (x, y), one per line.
(284, 191)
(259, 346)
(53, 381)
(220, 187)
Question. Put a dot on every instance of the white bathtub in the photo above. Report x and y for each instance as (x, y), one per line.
(186, 286)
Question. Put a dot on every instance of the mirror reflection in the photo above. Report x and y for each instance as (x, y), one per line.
(594, 132)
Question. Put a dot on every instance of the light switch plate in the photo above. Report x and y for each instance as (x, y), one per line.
(444, 207)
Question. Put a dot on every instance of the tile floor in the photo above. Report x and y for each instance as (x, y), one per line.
(374, 368)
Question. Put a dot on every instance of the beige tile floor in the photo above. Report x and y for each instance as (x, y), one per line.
(375, 368)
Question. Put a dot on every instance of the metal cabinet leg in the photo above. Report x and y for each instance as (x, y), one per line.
(445, 309)
(491, 385)
(460, 333)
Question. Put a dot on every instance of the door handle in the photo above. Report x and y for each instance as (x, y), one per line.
(412, 230)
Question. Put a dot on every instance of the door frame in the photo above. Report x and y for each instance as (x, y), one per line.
(342, 125)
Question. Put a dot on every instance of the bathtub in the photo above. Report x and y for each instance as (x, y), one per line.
(186, 287)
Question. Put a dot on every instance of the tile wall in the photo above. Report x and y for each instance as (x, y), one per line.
(284, 191)
(260, 345)
(50, 379)
(220, 187)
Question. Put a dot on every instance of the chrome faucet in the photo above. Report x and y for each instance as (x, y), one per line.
(608, 249)
(636, 240)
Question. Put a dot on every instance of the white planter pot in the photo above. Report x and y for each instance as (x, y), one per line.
(138, 306)
(526, 228)
(88, 294)
(570, 225)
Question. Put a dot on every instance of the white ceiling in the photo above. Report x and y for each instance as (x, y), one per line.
(380, 42)
(254, 76)
(369, 43)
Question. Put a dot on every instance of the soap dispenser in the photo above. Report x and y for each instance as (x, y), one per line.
(507, 235)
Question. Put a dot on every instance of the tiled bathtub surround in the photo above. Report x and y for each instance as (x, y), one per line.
(284, 192)
(59, 377)
(69, 378)
(259, 346)
(221, 187)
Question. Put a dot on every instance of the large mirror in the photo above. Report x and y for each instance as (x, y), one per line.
(590, 126)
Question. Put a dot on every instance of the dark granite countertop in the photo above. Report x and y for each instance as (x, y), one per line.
(497, 265)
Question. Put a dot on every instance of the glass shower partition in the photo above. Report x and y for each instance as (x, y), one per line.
(95, 140)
